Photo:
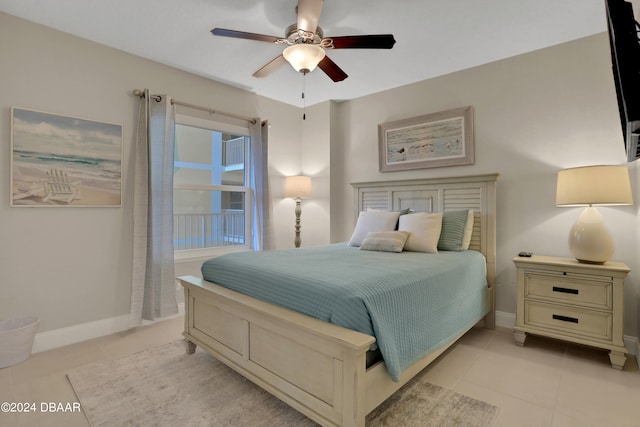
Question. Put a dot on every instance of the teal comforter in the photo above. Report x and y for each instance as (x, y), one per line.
(411, 302)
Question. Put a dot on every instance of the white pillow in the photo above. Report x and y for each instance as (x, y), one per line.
(425, 231)
(369, 221)
(468, 231)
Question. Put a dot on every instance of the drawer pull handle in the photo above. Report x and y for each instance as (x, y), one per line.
(565, 318)
(565, 290)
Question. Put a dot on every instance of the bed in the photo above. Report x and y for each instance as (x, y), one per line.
(326, 370)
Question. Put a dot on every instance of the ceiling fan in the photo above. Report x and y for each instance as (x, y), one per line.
(306, 43)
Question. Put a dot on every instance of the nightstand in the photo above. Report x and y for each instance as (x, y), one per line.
(564, 299)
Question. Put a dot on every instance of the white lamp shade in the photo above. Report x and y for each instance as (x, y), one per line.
(298, 187)
(304, 57)
(594, 185)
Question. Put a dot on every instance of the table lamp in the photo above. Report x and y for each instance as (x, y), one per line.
(589, 240)
(298, 188)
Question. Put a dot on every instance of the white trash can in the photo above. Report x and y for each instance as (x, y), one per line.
(16, 340)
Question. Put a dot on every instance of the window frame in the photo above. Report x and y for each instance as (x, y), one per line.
(218, 126)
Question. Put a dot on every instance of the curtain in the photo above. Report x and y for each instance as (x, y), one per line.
(153, 290)
(259, 132)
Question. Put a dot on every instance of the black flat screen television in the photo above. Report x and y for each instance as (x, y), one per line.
(625, 56)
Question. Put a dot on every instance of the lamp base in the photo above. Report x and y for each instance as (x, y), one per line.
(296, 241)
(589, 240)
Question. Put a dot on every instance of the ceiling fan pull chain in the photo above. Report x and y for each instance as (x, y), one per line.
(304, 101)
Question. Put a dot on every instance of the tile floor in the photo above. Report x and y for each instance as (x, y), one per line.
(545, 383)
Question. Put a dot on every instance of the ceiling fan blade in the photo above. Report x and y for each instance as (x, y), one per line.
(373, 41)
(332, 70)
(244, 35)
(270, 67)
(308, 14)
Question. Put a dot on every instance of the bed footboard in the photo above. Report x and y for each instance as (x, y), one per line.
(315, 367)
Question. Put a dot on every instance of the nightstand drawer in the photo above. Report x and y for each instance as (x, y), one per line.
(588, 293)
(592, 324)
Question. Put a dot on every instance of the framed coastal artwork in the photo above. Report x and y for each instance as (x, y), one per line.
(429, 141)
(64, 161)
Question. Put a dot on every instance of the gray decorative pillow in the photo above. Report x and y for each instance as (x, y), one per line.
(385, 241)
(453, 230)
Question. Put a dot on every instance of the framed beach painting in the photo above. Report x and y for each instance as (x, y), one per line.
(429, 141)
(64, 161)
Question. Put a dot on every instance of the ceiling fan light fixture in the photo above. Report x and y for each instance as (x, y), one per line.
(304, 57)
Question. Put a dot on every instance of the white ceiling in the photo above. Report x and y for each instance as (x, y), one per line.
(434, 37)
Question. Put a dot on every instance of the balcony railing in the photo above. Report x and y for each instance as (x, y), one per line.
(208, 230)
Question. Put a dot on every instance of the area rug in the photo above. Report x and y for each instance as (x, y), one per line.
(164, 386)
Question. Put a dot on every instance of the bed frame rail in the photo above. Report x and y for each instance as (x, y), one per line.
(316, 367)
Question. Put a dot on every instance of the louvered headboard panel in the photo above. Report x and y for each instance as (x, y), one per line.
(467, 198)
(476, 192)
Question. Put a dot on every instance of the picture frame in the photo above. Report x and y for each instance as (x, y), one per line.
(428, 141)
(64, 161)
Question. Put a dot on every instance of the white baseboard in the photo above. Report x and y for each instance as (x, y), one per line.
(56, 338)
(507, 320)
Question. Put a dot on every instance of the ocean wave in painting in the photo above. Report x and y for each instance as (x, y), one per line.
(88, 171)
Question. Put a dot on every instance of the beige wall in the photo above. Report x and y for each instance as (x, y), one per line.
(534, 114)
(72, 266)
(312, 159)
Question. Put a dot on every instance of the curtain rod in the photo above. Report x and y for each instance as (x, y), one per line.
(140, 93)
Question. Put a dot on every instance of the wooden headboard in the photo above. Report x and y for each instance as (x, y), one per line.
(477, 192)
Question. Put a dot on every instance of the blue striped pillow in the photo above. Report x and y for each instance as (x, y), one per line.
(452, 234)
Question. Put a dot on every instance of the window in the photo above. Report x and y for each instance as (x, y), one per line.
(211, 194)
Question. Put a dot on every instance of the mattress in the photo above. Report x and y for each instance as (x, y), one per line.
(411, 302)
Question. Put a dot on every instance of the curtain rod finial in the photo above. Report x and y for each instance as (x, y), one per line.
(138, 92)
